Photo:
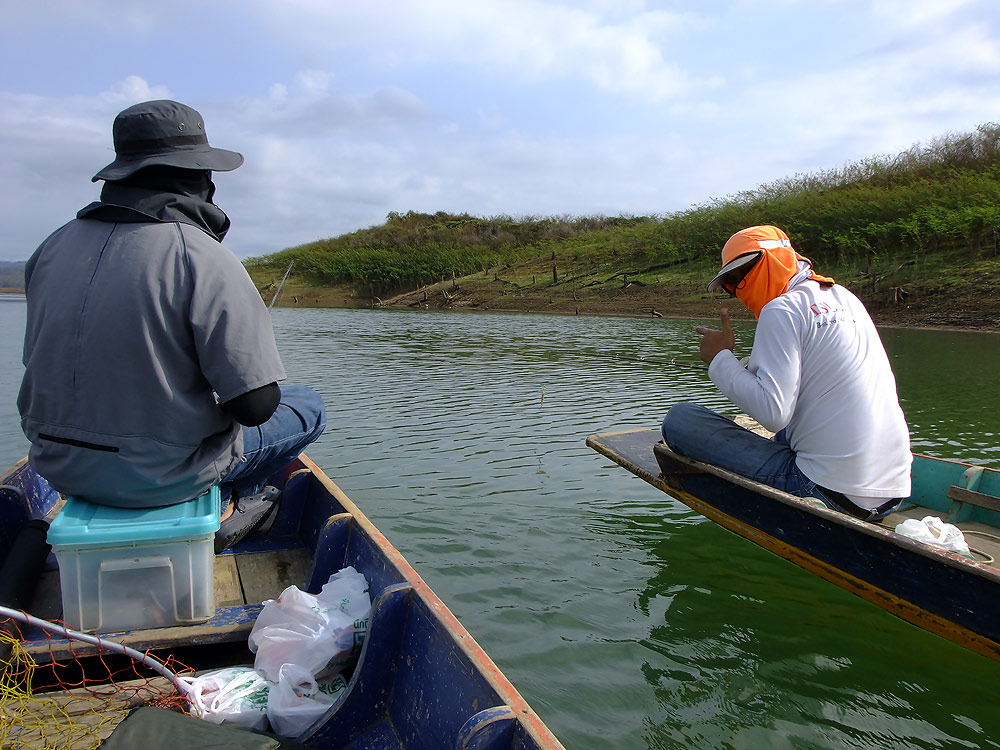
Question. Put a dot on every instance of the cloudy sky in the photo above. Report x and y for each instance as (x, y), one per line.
(346, 110)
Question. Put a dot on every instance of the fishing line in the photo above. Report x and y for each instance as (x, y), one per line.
(664, 363)
(275, 297)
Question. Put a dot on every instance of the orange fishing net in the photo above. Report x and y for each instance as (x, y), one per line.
(75, 703)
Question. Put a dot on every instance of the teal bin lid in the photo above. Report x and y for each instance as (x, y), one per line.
(83, 524)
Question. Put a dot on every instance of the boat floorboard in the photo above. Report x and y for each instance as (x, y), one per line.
(79, 718)
(983, 539)
(242, 581)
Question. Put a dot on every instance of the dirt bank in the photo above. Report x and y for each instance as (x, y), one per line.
(968, 308)
(965, 307)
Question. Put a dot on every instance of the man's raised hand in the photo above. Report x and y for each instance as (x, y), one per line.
(713, 342)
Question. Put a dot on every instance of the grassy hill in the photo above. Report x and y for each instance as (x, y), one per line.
(916, 235)
(11, 276)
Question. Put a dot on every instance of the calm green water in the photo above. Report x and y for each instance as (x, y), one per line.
(626, 620)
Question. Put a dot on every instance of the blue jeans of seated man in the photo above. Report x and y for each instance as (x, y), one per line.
(299, 419)
(701, 434)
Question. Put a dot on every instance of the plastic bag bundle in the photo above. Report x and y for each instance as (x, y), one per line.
(932, 530)
(317, 632)
(235, 695)
(301, 642)
(298, 699)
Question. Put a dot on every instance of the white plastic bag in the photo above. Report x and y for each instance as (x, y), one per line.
(932, 530)
(318, 633)
(235, 695)
(298, 700)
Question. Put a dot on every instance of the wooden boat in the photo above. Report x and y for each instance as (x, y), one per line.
(421, 681)
(936, 589)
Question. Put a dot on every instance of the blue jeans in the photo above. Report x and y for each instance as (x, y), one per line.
(299, 419)
(701, 434)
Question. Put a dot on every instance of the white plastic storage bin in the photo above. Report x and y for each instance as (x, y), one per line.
(129, 569)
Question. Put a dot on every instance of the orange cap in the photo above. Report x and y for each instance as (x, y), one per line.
(747, 246)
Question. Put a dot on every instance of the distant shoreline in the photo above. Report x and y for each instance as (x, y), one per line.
(907, 317)
(970, 309)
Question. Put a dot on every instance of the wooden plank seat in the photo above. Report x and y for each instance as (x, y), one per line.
(971, 497)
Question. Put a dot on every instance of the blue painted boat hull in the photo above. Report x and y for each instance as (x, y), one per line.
(940, 591)
(421, 682)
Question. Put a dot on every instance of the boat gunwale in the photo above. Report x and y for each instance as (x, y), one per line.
(466, 643)
(528, 720)
(890, 536)
(632, 455)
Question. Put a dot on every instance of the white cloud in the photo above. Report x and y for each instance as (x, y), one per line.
(309, 110)
(532, 40)
(933, 73)
(523, 108)
(48, 145)
(918, 13)
(133, 89)
(314, 83)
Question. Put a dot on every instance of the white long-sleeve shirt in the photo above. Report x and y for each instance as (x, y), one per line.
(818, 368)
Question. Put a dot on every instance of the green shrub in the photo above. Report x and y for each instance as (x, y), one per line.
(947, 192)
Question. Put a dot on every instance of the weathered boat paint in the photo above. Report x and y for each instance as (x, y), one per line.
(940, 591)
(421, 681)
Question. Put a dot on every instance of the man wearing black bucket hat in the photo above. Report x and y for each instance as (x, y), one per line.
(151, 370)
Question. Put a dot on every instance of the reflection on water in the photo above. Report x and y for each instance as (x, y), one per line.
(625, 619)
(746, 650)
(948, 388)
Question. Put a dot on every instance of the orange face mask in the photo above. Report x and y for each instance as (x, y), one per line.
(776, 267)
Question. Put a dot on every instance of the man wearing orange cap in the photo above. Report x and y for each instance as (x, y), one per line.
(818, 376)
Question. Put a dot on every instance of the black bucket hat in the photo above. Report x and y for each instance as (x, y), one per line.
(163, 132)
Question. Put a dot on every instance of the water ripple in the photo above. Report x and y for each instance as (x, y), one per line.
(626, 620)
(468, 452)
